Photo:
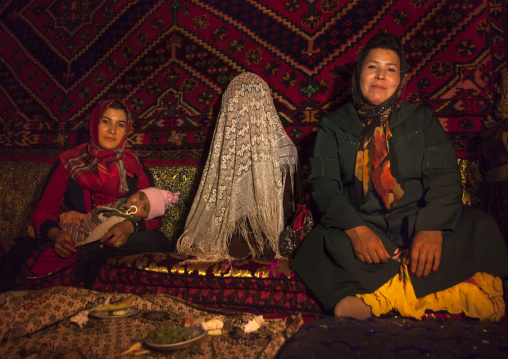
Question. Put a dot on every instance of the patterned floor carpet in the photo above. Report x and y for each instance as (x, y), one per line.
(37, 324)
(329, 337)
(40, 324)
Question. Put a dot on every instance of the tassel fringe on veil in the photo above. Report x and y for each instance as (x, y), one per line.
(244, 176)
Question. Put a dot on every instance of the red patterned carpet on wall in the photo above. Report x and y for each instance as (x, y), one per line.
(172, 60)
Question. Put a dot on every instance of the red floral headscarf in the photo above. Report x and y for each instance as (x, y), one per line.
(98, 170)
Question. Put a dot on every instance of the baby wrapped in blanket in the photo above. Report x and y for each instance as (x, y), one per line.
(145, 204)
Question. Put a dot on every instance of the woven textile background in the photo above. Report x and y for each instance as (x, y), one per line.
(172, 60)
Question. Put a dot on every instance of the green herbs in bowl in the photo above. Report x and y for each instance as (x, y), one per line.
(167, 334)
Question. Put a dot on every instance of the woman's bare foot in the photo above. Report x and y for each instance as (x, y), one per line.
(352, 307)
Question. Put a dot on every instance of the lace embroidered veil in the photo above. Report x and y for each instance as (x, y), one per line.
(243, 180)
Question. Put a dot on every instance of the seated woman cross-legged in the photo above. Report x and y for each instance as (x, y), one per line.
(393, 233)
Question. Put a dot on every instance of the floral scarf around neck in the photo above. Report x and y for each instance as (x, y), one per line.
(373, 159)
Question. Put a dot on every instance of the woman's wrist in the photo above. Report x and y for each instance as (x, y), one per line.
(135, 225)
(53, 233)
(47, 226)
(355, 230)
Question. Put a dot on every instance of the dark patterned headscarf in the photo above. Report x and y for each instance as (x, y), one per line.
(373, 159)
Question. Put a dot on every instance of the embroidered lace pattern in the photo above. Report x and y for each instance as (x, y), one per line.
(243, 179)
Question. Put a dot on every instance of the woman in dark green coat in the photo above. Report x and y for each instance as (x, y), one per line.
(386, 182)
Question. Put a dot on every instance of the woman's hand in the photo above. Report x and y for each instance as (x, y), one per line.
(426, 252)
(367, 246)
(63, 245)
(118, 234)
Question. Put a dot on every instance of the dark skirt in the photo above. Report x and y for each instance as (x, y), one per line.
(328, 266)
(16, 265)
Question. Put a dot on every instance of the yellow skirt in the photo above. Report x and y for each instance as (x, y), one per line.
(481, 297)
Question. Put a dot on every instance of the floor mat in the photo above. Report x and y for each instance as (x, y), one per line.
(329, 337)
(36, 324)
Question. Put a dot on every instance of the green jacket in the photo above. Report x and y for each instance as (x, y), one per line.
(427, 170)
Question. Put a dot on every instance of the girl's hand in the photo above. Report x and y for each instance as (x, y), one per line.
(63, 245)
(118, 234)
(367, 246)
(426, 252)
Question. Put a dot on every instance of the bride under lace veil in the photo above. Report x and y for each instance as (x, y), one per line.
(243, 181)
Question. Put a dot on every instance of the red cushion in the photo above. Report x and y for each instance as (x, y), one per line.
(258, 286)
